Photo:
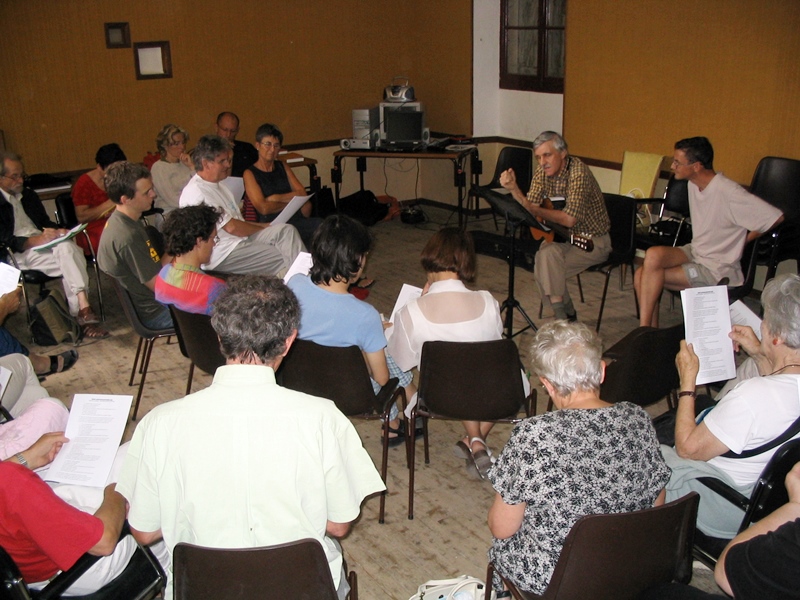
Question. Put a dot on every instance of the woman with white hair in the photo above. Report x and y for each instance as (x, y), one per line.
(587, 457)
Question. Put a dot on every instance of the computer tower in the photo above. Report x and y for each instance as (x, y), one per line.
(364, 121)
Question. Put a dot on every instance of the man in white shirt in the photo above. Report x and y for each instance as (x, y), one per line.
(725, 217)
(24, 224)
(243, 247)
(245, 462)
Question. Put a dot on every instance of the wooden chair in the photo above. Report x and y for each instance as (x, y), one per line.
(619, 556)
(340, 374)
(292, 570)
(467, 381)
(198, 342)
(147, 338)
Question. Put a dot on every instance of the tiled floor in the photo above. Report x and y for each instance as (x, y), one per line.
(448, 535)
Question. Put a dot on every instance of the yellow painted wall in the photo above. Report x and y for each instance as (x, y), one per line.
(303, 64)
(642, 74)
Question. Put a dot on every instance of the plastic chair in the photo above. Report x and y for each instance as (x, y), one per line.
(510, 157)
(292, 570)
(147, 338)
(340, 374)
(66, 217)
(768, 495)
(676, 203)
(619, 556)
(622, 214)
(777, 180)
(643, 370)
(198, 342)
(467, 381)
(639, 174)
(142, 579)
(28, 277)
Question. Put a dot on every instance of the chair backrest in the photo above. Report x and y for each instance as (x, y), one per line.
(770, 493)
(622, 214)
(618, 556)
(749, 261)
(519, 159)
(292, 570)
(777, 180)
(676, 196)
(65, 211)
(639, 174)
(338, 374)
(646, 372)
(12, 587)
(198, 338)
(133, 318)
(471, 381)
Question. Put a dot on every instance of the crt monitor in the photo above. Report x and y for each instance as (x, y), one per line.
(404, 127)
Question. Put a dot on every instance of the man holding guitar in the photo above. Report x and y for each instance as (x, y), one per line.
(583, 221)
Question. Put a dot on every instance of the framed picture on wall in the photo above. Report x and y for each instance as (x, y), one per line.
(153, 60)
(118, 35)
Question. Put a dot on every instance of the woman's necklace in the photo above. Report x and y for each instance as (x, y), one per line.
(785, 367)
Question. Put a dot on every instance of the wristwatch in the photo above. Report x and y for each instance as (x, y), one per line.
(22, 460)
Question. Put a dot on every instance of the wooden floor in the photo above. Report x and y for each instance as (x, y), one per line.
(449, 535)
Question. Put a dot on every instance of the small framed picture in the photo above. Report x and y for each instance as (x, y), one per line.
(118, 35)
(153, 60)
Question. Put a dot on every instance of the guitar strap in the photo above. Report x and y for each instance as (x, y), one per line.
(793, 430)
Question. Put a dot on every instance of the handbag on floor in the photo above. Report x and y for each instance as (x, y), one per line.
(51, 323)
(459, 588)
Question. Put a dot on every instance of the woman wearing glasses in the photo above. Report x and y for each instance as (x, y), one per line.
(174, 170)
(269, 186)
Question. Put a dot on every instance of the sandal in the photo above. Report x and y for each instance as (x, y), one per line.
(399, 437)
(94, 332)
(86, 316)
(364, 283)
(61, 362)
(482, 458)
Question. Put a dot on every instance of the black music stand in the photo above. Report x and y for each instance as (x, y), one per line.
(515, 215)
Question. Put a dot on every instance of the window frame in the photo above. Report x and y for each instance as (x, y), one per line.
(530, 83)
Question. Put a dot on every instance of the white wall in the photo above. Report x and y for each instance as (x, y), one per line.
(504, 113)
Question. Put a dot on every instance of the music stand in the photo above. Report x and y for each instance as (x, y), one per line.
(515, 215)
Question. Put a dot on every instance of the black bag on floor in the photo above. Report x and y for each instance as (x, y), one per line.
(51, 323)
(323, 203)
(364, 207)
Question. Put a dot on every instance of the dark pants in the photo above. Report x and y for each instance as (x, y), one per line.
(9, 344)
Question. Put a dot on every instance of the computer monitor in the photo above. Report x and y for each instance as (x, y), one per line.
(404, 128)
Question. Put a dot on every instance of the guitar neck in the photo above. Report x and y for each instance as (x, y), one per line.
(578, 241)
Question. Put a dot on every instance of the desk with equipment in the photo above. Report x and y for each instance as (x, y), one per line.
(457, 154)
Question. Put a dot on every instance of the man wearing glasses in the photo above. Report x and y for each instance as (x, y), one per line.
(244, 153)
(724, 218)
(24, 225)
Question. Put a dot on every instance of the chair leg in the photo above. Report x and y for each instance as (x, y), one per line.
(603, 301)
(384, 466)
(489, 577)
(352, 579)
(99, 291)
(189, 381)
(148, 350)
(412, 453)
(135, 361)
(580, 288)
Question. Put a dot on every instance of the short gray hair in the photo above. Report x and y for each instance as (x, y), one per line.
(559, 142)
(7, 155)
(568, 355)
(781, 302)
(253, 317)
(209, 147)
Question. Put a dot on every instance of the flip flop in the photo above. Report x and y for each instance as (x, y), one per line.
(68, 359)
(482, 458)
(94, 332)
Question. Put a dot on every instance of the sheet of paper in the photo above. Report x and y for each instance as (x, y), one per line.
(406, 295)
(67, 236)
(5, 376)
(291, 208)
(708, 323)
(742, 315)
(236, 186)
(302, 264)
(95, 427)
(9, 278)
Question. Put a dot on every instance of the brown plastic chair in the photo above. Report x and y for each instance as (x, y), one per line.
(147, 338)
(198, 342)
(467, 381)
(619, 556)
(340, 374)
(292, 570)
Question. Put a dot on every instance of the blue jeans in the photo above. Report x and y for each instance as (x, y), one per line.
(9, 344)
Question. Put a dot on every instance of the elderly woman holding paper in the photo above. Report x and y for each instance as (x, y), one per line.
(448, 311)
(737, 437)
(269, 185)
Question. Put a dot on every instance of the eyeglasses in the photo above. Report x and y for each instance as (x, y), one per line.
(675, 163)
(16, 176)
(275, 145)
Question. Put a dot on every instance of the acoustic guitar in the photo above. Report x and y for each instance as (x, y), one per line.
(579, 241)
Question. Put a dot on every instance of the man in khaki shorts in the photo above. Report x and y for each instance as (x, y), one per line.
(724, 218)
